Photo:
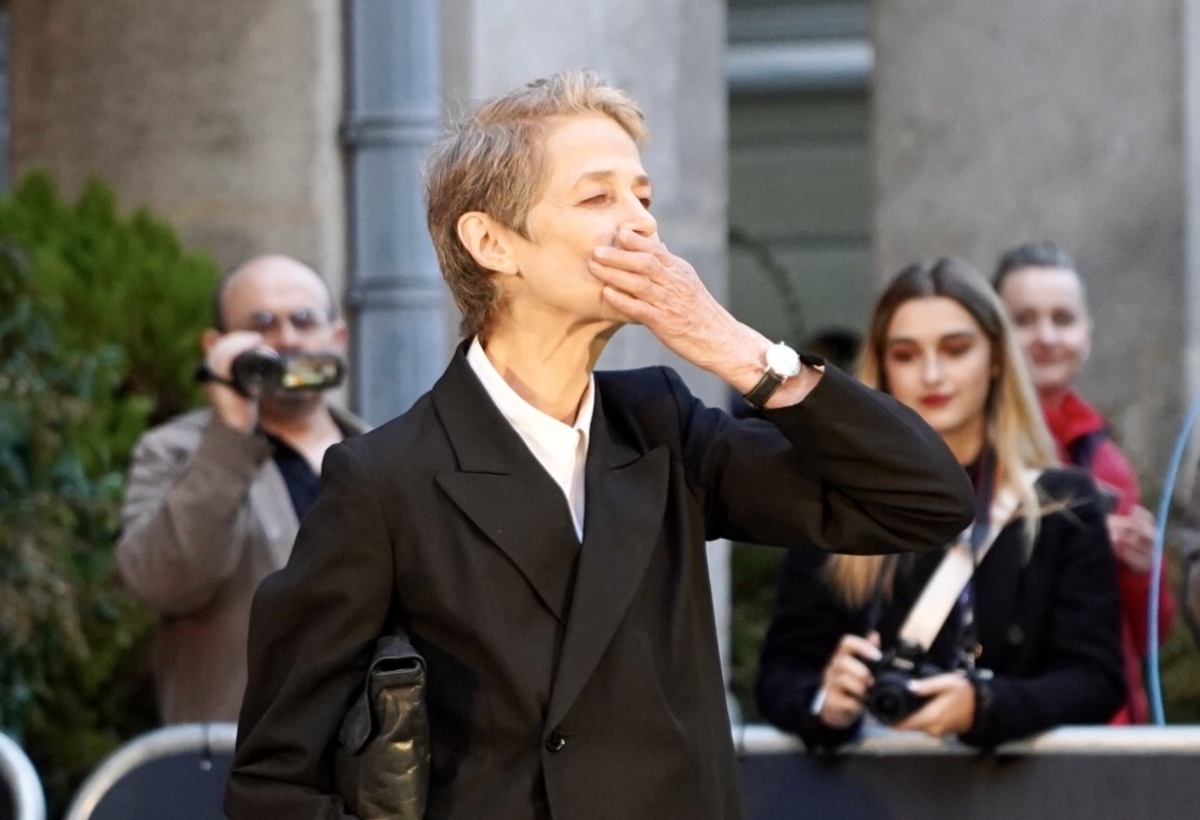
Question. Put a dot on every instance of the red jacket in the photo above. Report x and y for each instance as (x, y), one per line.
(1082, 437)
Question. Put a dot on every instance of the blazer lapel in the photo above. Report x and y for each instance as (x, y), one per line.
(503, 490)
(626, 496)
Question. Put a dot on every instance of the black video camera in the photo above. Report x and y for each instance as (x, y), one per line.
(889, 698)
(263, 371)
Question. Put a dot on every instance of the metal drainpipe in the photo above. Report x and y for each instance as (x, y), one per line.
(395, 296)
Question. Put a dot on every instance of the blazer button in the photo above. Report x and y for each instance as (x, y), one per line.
(556, 741)
(1015, 634)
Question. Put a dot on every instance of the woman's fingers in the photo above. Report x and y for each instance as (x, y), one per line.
(1133, 537)
(650, 285)
(846, 679)
(950, 709)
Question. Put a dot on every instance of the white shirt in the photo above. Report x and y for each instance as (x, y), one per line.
(561, 449)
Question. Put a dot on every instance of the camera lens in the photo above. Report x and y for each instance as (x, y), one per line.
(255, 371)
(888, 704)
(888, 701)
(889, 698)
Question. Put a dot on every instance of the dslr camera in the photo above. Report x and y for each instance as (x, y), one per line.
(889, 699)
(264, 371)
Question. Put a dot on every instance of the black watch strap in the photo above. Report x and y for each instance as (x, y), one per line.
(771, 381)
(765, 388)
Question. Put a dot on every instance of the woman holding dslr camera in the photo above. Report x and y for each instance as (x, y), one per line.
(1027, 633)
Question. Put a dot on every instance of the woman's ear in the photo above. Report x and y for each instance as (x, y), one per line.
(488, 242)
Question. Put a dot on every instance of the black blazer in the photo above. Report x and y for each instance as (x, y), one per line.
(564, 680)
(1050, 626)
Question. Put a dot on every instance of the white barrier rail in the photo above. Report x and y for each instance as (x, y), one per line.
(21, 781)
(757, 738)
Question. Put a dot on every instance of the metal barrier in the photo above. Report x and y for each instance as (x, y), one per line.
(1093, 772)
(177, 772)
(22, 797)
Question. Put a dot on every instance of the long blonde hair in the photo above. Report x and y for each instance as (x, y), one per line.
(1016, 431)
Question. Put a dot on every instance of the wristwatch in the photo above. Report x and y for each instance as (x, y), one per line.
(782, 364)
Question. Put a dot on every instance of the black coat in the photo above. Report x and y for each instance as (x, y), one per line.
(564, 681)
(1049, 626)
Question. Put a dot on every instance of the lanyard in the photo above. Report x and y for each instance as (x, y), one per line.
(954, 574)
(968, 632)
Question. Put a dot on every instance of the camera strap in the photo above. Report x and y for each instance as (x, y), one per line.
(205, 374)
(954, 573)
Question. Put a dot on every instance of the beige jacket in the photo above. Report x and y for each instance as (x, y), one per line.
(206, 517)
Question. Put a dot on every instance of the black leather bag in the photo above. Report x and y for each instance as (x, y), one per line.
(381, 763)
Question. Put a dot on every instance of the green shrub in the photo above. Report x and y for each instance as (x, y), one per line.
(116, 280)
(99, 321)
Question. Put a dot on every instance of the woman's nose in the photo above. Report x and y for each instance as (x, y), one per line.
(932, 371)
(639, 219)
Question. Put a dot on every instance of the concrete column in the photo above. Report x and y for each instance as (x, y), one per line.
(995, 123)
(221, 115)
(670, 55)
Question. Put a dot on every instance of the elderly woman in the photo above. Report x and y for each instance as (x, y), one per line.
(538, 529)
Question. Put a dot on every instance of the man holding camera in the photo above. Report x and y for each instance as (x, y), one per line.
(214, 497)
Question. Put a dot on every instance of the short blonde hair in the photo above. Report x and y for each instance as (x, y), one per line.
(493, 160)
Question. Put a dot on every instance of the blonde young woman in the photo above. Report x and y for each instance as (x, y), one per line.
(1033, 640)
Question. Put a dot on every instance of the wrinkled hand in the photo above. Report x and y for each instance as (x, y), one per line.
(951, 710)
(230, 406)
(650, 286)
(1133, 538)
(846, 680)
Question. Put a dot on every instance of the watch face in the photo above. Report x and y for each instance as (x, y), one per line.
(783, 360)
